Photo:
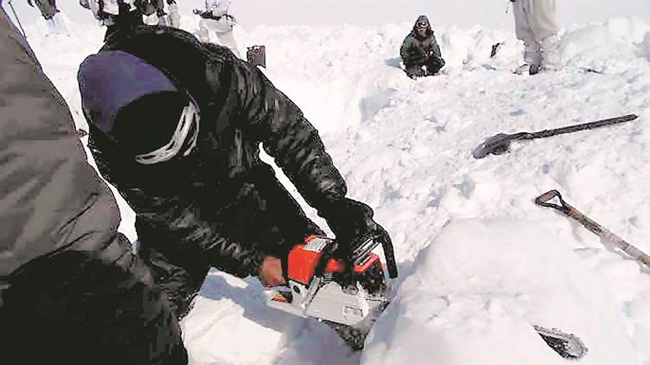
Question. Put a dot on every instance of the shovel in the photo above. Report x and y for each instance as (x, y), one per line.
(500, 143)
(602, 232)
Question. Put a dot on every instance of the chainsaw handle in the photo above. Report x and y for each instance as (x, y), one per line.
(370, 242)
(389, 253)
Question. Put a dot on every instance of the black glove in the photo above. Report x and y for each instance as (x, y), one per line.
(352, 223)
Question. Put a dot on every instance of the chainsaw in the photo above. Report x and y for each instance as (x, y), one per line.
(348, 295)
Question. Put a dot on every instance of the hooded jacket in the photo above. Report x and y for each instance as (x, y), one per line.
(71, 291)
(418, 50)
(177, 202)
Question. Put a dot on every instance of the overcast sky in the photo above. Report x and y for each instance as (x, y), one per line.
(492, 13)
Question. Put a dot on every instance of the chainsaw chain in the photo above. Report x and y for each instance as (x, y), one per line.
(567, 345)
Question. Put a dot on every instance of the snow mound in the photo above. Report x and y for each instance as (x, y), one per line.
(478, 288)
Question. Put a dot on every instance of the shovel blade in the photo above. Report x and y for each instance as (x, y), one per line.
(496, 145)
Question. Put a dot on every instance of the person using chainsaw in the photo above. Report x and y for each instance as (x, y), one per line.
(216, 18)
(71, 290)
(537, 26)
(176, 126)
(420, 52)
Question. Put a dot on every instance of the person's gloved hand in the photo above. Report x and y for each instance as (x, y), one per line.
(352, 224)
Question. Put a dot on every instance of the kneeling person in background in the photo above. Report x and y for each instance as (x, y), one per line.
(420, 51)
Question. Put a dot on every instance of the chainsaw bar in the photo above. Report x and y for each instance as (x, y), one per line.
(567, 345)
(353, 337)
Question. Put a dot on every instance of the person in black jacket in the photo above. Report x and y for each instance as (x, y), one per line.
(420, 51)
(71, 290)
(175, 126)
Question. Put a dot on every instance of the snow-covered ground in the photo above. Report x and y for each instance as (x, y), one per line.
(479, 262)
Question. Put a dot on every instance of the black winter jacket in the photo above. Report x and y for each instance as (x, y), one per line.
(418, 50)
(176, 202)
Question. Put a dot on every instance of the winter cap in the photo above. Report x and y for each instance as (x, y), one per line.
(108, 81)
(422, 22)
(137, 105)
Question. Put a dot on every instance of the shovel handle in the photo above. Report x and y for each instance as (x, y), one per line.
(543, 200)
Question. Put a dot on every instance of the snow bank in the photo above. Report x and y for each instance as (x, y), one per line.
(477, 290)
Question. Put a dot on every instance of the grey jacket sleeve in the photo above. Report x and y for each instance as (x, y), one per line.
(51, 199)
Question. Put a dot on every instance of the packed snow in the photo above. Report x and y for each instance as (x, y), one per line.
(480, 263)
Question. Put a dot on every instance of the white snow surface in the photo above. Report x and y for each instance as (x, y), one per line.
(480, 263)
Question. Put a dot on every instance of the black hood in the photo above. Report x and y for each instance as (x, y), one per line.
(422, 19)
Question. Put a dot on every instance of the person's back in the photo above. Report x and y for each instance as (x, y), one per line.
(71, 291)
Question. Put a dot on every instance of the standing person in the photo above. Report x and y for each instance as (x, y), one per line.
(420, 51)
(153, 11)
(217, 19)
(155, 14)
(176, 126)
(536, 25)
(71, 291)
(51, 14)
(117, 15)
(172, 18)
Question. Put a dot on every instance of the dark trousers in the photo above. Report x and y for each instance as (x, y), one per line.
(47, 7)
(74, 309)
(261, 212)
(427, 68)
